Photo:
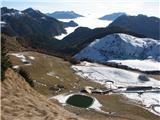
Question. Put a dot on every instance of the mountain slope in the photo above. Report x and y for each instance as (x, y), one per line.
(82, 36)
(64, 15)
(32, 30)
(120, 46)
(21, 102)
(30, 22)
(147, 26)
(112, 16)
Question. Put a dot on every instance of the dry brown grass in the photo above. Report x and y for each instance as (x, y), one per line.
(12, 44)
(20, 102)
(64, 75)
(157, 77)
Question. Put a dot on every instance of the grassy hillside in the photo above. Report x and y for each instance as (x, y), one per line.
(21, 102)
(50, 73)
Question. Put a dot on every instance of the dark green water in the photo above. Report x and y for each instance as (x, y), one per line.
(80, 101)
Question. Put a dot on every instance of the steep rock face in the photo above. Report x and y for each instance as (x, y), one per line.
(21, 102)
(30, 22)
(120, 46)
(147, 26)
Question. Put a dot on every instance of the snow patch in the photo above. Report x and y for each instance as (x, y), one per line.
(51, 74)
(31, 57)
(22, 57)
(96, 105)
(15, 67)
(61, 98)
(64, 97)
(16, 13)
(44, 18)
(157, 109)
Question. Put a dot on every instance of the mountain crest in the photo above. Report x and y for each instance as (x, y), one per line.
(9, 12)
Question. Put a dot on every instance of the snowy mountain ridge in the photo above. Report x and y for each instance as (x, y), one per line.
(122, 47)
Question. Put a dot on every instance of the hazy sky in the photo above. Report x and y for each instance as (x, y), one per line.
(96, 8)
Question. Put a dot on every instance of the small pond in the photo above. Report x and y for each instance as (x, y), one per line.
(82, 101)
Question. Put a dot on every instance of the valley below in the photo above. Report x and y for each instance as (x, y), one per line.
(127, 96)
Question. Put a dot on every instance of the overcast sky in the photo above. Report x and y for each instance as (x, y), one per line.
(96, 8)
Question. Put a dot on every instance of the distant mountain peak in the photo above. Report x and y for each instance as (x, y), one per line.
(64, 15)
(31, 10)
(142, 24)
(112, 16)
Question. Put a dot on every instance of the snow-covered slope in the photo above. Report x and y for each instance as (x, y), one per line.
(101, 74)
(120, 47)
(114, 78)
